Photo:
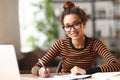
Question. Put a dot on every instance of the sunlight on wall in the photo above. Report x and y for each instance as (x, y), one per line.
(27, 26)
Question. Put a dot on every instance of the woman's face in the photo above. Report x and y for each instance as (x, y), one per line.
(73, 26)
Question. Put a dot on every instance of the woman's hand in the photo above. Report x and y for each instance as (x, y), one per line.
(44, 73)
(77, 70)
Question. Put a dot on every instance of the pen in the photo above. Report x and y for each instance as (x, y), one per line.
(40, 61)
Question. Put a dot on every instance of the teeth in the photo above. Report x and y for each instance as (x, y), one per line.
(74, 34)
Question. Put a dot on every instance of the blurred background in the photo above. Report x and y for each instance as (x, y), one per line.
(32, 26)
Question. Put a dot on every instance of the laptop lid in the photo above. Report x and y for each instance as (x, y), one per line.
(8, 63)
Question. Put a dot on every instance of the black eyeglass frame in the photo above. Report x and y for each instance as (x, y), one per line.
(73, 26)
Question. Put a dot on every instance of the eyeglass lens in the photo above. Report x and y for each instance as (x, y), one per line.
(74, 26)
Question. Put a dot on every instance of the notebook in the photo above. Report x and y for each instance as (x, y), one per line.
(8, 63)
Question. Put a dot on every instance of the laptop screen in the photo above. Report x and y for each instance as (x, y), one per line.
(8, 63)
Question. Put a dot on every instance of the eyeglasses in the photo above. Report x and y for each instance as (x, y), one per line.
(74, 26)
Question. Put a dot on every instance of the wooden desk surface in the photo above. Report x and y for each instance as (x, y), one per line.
(53, 74)
(34, 76)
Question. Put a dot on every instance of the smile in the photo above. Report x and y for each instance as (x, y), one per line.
(74, 34)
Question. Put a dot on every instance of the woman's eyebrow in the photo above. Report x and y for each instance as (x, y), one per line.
(72, 22)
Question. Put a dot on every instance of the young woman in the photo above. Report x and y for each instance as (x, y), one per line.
(77, 51)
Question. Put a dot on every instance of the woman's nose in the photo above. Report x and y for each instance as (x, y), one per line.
(72, 29)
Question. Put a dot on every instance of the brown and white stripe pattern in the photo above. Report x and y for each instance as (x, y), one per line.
(84, 58)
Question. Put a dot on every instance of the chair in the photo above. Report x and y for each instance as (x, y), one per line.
(59, 67)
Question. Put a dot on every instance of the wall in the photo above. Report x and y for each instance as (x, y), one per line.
(9, 27)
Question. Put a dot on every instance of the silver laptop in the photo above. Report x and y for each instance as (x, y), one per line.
(8, 63)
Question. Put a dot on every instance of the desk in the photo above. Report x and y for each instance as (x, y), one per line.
(36, 77)
(52, 74)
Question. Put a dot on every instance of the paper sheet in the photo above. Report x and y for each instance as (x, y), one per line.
(66, 77)
(105, 75)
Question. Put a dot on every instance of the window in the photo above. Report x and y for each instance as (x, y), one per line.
(30, 36)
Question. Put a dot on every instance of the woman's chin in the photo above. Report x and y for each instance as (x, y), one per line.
(75, 38)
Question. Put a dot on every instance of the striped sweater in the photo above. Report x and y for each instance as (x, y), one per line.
(82, 57)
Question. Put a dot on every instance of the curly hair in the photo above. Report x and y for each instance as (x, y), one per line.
(70, 8)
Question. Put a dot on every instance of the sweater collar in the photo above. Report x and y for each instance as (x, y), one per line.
(85, 44)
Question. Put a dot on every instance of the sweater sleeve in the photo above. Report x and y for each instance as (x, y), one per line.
(48, 57)
(111, 62)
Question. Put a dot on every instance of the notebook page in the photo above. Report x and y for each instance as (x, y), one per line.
(105, 75)
(66, 77)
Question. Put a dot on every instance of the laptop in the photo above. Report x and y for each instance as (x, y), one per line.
(8, 63)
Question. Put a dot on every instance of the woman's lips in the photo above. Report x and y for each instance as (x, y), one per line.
(74, 34)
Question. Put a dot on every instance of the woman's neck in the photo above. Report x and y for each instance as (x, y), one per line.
(79, 43)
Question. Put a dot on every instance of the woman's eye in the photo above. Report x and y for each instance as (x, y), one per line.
(76, 24)
(67, 27)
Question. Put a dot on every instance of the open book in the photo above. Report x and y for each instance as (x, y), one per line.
(95, 76)
(67, 77)
(106, 75)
